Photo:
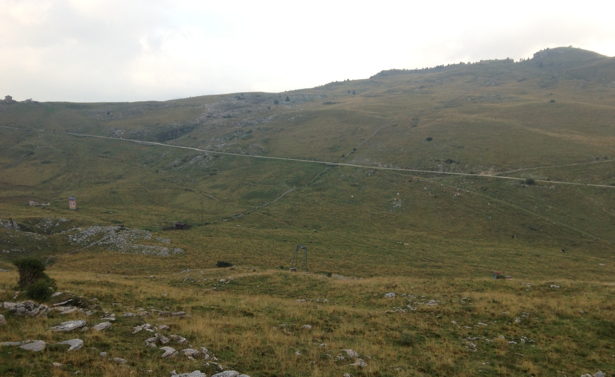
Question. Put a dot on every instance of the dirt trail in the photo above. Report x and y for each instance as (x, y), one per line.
(341, 164)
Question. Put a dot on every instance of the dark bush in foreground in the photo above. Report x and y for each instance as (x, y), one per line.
(41, 290)
(221, 263)
(33, 279)
(30, 271)
(529, 181)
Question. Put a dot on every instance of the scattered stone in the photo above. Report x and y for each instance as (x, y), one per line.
(74, 344)
(119, 360)
(190, 353)
(597, 374)
(359, 363)
(109, 317)
(306, 327)
(178, 314)
(178, 339)
(554, 286)
(10, 344)
(34, 346)
(145, 326)
(347, 375)
(351, 353)
(101, 326)
(103, 354)
(66, 309)
(207, 355)
(63, 303)
(168, 351)
(227, 373)
(2, 320)
(56, 364)
(69, 325)
(196, 373)
(162, 327)
(390, 295)
(157, 338)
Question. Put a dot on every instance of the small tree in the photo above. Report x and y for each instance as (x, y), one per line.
(33, 279)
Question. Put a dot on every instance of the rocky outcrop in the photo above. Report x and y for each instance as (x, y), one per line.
(119, 238)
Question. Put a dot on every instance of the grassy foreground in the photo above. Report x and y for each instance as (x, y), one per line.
(253, 320)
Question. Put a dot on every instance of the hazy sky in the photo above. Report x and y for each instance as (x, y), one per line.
(126, 50)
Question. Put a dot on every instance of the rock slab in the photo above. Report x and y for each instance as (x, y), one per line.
(74, 344)
(101, 326)
(34, 346)
(69, 325)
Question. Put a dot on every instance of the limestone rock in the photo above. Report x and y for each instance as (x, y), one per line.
(119, 360)
(69, 325)
(359, 363)
(390, 295)
(190, 353)
(227, 373)
(168, 351)
(34, 346)
(351, 353)
(178, 339)
(196, 373)
(10, 344)
(101, 326)
(74, 344)
(26, 308)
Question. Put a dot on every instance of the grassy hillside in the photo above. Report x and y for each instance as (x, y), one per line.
(547, 121)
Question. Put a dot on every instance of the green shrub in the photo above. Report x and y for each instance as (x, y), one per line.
(30, 271)
(33, 279)
(41, 290)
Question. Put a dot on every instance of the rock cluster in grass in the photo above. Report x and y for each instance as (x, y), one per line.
(119, 238)
(112, 237)
(159, 337)
(26, 308)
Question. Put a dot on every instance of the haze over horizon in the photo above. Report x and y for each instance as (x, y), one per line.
(69, 50)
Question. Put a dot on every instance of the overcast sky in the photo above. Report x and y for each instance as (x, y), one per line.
(128, 50)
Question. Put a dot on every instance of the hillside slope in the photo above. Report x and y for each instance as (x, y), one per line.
(549, 118)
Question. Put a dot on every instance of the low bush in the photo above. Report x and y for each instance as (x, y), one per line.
(222, 263)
